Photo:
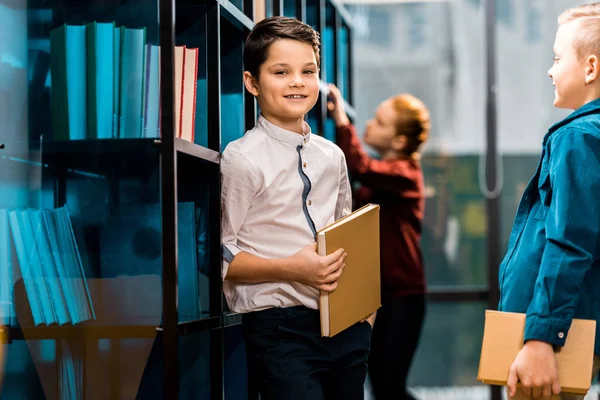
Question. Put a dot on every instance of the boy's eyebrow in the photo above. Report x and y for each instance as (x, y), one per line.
(312, 63)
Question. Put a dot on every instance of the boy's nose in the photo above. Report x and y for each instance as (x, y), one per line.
(297, 81)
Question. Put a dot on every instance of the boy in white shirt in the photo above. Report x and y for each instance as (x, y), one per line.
(280, 185)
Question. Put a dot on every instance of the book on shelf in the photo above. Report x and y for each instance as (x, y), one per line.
(106, 83)
(358, 293)
(49, 265)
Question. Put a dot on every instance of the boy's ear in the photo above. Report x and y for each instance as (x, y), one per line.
(592, 69)
(250, 83)
(399, 142)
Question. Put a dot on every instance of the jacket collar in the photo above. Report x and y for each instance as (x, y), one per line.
(593, 107)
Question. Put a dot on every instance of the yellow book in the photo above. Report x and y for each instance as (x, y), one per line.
(503, 339)
(358, 293)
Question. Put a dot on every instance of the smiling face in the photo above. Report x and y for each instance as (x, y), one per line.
(568, 73)
(287, 86)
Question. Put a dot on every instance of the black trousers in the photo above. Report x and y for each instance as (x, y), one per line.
(395, 338)
(288, 359)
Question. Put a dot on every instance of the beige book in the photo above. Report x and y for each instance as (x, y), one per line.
(188, 96)
(503, 339)
(178, 74)
(358, 293)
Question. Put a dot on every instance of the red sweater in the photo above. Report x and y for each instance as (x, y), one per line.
(397, 186)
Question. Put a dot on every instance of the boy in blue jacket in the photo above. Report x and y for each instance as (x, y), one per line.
(551, 270)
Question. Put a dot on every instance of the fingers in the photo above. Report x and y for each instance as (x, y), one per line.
(333, 257)
(334, 276)
(512, 381)
(526, 388)
(555, 387)
(331, 280)
(328, 287)
(536, 392)
(546, 392)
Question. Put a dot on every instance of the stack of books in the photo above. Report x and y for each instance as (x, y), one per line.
(50, 266)
(105, 83)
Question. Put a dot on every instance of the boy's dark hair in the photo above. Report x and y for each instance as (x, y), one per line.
(267, 31)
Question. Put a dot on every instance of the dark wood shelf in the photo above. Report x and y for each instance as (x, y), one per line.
(88, 331)
(120, 157)
(194, 150)
(232, 319)
(200, 325)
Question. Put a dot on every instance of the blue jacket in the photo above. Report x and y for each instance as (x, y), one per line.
(551, 270)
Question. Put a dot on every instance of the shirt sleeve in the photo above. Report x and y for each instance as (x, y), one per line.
(343, 205)
(572, 229)
(397, 177)
(239, 186)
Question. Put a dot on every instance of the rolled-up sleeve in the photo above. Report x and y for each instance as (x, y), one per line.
(572, 228)
(238, 189)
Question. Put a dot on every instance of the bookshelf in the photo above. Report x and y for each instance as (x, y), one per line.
(105, 202)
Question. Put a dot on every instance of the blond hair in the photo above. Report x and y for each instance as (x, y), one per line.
(412, 120)
(587, 39)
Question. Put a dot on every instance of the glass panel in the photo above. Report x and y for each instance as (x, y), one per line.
(236, 373)
(232, 84)
(435, 51)
(447, 358)
(80, 227)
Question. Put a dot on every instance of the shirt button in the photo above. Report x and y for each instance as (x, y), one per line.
(561, 335)
(309, 202)
(304, 165)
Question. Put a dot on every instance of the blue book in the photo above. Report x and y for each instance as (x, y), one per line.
(5, 270)
(152, 96)
(35, 263)
(29, 282)
(49, 267)
(201, 129)
(116, 81)
(68, 69)
(133, 49)
(232, 121)
(100, 79)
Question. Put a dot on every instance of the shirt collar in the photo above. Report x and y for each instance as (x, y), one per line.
(283, 134)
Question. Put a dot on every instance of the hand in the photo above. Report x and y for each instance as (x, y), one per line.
(321, 272)
(370, 319)
(536, 368)
(335, 105)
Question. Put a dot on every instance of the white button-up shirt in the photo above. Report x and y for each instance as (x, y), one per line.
(278, 189)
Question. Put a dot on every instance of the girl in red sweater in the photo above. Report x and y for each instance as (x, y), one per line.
(395, 182)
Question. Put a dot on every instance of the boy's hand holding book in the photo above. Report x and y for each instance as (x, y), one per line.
(321, 272)
(535, 367)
